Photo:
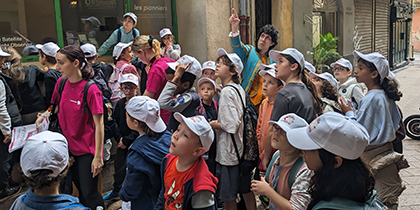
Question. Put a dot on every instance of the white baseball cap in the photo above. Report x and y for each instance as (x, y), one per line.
(392, 75)
(164, 32)
(270, 70)
(129, 77)
(234, 58)
(327, 76)
(89, 50)
(4, 54)
(289, 121)
(95, 21)
(199, 125)
(344, 63)
(49, 48)
(205, 79)
(209, 65)
(380, 62)
(45, 150)
(132, 15)
(310, 67)
(147, 110)
(298, 56)
(119, 48)
(195, 66)
(333, 132)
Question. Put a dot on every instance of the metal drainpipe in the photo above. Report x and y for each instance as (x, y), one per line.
(244, 24)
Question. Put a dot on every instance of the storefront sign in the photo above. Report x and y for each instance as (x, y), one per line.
(100, 4)
(14, 41)
(153, 15)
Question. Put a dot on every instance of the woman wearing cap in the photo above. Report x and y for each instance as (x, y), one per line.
(298, 96)
(148, 50)
(326, 87)
(84, 130)
(332, 145)
(169, 48)
(379, 114)
(142, 182)
(23, 81)
(228, 124)
(288, 176)
(348, 86)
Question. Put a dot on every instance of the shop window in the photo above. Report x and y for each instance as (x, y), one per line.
(26, 22)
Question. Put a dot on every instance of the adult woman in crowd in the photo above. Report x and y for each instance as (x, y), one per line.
(84, 130)
(148, 50)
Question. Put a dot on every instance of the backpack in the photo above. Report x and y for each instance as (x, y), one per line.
(250, 158)
(372, 203)
(133, 32)
(109, 122)
(114, 84)
(11, 105)
(292, 173)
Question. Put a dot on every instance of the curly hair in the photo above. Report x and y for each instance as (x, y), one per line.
(43, 178)
(328, 90)
(352, 180)
(272, 32)
(309, 84)
(232, 68)
(388, 84)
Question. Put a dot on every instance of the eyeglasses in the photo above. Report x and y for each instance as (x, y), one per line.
(128, 88)
(340, 69)
(280, 130)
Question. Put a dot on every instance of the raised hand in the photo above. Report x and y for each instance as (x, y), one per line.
(234, 21)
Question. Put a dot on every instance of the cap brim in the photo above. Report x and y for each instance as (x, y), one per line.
(274, 54)
(221, 52)
(4, 54)
(38, 46)
(172, 65)
(299, 139)
(159, 126)
(359, 55)
(282, 125)
(127, 81)
(205, 79)
(180, 118)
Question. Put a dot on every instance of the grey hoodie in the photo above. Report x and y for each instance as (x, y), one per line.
(352, 90)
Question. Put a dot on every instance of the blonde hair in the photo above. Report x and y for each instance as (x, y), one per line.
(142, 43)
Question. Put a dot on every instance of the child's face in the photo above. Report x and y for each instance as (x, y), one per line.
(184, 142)
(312, 159)
(279, 140)
(270, 86)
(341, 73)
(363, 74)
(128, 23)
(206, 91)
(127, 54)
(129, 89)
(283, 68)
(222, 70)
(167, 40)
(209, 73)
(318, 84)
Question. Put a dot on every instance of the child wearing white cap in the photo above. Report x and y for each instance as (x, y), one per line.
(45, 162)
(379, 114)
(348, 86)
(332, 146)
(288, 178)
(178, 95)
(169, 48)
(209, 71)
(125, 34)
(326, 87)
(270, 86)
(229, 121)
(299, 95)
(142, 182)
(47, 54)
(188, 184)
(123, 134)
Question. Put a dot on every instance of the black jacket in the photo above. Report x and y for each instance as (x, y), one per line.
(123, 130)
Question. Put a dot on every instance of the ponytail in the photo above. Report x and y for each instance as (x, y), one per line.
(144, 42)
(311, 87)
(390, 86)
(73, 53)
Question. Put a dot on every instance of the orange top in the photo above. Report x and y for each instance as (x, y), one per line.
(266, 109)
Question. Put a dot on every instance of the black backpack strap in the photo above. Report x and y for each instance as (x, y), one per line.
(60, 91)
(239, 94)
(294, 170)
(133, 32)
(85, 93)
(236, 150)
(119, 35)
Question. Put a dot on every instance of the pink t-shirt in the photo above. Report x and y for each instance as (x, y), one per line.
(78, 126)
(128, 69)
(156, 81)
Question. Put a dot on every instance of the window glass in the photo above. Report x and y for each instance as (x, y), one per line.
(153, 15)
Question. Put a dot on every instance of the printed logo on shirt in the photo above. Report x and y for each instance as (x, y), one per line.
(181, 100)
(314, 124)
(289, 119)
(173, 197)
(76, 102)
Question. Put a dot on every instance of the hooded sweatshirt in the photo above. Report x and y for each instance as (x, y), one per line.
(142, 182)
(32, 201)
(352, 91)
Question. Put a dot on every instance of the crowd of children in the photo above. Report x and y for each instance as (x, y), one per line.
(322, 142)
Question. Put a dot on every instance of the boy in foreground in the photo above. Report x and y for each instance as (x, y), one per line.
(187, 182)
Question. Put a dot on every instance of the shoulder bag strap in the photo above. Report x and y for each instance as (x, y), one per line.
(294, 170)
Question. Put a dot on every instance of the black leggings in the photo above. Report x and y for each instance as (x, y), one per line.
(82, 177)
